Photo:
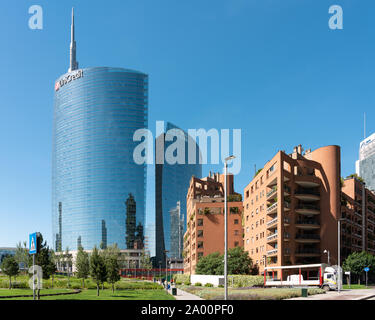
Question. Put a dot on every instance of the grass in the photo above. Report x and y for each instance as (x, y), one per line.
(126, 289)
(90, 294)
(249, 294)
(357, 286)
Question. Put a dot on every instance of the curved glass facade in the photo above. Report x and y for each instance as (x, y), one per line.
(96, 112)
(171, 186)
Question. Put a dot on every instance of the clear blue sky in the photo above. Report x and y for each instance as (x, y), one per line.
(272, 68)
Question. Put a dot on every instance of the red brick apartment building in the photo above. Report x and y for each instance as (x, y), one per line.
(292, 207)
(205, 219)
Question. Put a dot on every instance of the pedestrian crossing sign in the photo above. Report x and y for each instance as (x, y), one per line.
(32, 243)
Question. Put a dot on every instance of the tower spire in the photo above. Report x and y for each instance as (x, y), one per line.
(73, 61)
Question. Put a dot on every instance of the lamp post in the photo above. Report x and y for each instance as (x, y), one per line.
(327, 252)
(166, 266)
(226, 229)
(338, 254)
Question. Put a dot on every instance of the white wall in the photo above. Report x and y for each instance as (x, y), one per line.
(203, 279)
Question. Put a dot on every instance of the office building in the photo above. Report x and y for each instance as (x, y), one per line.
(365, 166)
(292, 207)
(205, 219)
(96, 112)
(171, 186)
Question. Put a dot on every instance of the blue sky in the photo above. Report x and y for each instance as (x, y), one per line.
(271, 68)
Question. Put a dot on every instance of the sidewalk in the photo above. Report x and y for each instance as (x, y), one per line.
(347, 294)
(183, 295)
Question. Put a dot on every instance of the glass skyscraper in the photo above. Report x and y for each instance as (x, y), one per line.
(365, 166)
(171, 186)
(96, 112)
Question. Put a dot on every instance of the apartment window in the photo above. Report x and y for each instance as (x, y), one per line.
(247, 206)
(252, 213)
(235, 221)
(247, 241)
(256, 251)
(200, 254)
(256, 198)
(256, 211)
(252, 239)
(252, 202)
(236, 232)
(256, 224)
(247, 193)
(247, 229)
(252, 251)
(252, 226)
(236, 243)
(261, 180)
(200, 222)
(200, 233)
(252, 189)
(247, 218)
(256, 237)
(200, 244)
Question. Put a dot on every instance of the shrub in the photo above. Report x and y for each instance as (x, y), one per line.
(198, 284)
(220, 286)
(187, 283)
(208, 285)
(181, 277)
(241, 281)
(178, 282)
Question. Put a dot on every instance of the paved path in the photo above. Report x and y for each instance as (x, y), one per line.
(183, 295)
(357, 294)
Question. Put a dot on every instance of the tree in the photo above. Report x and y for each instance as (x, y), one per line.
(97, 268)
(10, 268)
(146, 261)
(354, 175)
(112, 266)
(82, 265)
(210, 264)
(357, 261)
(22, 255)
(68, 259)
(52, 266)
(238, 263)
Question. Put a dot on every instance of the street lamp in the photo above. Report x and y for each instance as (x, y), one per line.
(226, 228)
(166, 266)
(338, 254)
(327, 252)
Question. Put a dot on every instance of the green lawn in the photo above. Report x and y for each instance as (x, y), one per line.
(16, 292)
(249, 294)
(357, 286)
(90, 294)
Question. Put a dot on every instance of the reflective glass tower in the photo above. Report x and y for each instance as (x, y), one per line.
(171, 186)
(96, 112)
(365, 166)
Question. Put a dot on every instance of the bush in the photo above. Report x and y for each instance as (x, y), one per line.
(181, 277)
(208, 285)
(187, 283)
(241, 281)
(220, 286)
(198, 284)
(178, 282)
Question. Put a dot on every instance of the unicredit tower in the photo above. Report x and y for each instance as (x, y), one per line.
(98, 192)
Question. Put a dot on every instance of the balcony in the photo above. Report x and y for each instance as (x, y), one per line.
(307, 238)
(286, 236)
(307, 181)
(306, 194)
(307, 224)
(286, 221)
(272, 224)
(308, 252)
(272, 209)
(272, 252)
(307, 209)
(272, 237)
(271, 194)
(287, 206)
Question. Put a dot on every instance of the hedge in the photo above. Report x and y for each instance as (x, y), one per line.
(181, 278)
(241, 281)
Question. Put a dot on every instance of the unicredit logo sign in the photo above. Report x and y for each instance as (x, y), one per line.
(70, 77)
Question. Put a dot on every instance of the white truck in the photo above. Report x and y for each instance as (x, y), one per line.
(307, 275)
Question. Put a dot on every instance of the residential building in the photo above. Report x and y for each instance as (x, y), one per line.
(205, 219)
(96, 112)
(292, 207)
(358, 212)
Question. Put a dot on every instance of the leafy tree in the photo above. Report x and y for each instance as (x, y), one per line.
(82, 265)
(52, 266)
(113, 270)
(357, 261)
(354, 175)
(97, 268)
(210, 264)
(238, 263)
(68, 261)
(22, 255)
(10, 268)
(146, 261)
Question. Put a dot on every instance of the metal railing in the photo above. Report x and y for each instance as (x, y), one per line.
(270, 208)
(309, 222)
(271, 252)
(272, 236)
(270, 223)
(308, 236)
